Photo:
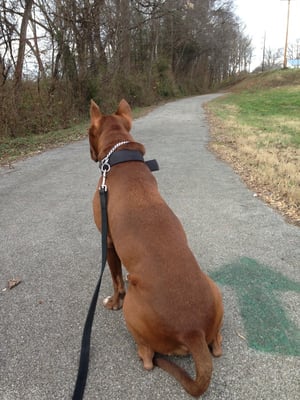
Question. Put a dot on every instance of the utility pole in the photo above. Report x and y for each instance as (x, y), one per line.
(286, 36)
(264, 54)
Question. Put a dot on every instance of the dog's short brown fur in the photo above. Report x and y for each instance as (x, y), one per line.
(171, 306)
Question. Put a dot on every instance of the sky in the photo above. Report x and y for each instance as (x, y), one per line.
(269, 17)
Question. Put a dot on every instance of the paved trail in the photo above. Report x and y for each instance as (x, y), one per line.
(48, 239)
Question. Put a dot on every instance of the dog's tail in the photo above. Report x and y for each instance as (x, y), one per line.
(203, 364)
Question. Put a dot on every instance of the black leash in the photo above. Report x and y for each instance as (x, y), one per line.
(86, 337)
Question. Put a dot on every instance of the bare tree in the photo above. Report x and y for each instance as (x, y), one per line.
(141, 49)
(22, 41)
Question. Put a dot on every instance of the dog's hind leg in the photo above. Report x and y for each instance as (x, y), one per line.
(115, 302)
(146, 355)
(216, 345)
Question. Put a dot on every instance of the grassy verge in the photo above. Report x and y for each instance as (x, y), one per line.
(13, 149)
(257, 129)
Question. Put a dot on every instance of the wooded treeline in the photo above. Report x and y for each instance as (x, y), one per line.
(57, 54)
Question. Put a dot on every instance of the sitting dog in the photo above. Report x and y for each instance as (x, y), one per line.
(171, 307)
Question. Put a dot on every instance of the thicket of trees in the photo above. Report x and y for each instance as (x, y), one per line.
(57, 54)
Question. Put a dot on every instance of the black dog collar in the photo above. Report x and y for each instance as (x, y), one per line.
(122, 156)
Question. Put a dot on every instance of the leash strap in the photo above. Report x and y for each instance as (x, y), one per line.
(86, 337)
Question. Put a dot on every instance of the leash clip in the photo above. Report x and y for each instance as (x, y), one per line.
(103, 186)
(105, 168)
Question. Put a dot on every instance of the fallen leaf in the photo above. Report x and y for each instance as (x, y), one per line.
(13, 282)
(241, 336)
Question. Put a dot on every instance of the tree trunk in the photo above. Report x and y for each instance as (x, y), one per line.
(22, 42)
(124, 37)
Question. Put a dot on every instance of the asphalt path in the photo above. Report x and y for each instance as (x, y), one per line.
(48, 240)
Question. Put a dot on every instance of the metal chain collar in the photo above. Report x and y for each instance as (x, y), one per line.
(105, 166)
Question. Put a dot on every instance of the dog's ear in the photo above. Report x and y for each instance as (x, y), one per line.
(95, 113)
(124, 111)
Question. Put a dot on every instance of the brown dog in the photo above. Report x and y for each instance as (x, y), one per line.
(171, 306)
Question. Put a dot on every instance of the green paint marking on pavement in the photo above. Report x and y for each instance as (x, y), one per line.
(266, 324)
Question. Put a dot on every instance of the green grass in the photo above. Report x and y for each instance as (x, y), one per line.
(278, 101)
(275, 111)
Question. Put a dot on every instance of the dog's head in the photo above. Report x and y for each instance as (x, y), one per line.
(107, 129)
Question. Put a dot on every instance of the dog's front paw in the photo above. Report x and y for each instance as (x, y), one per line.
(114, 302)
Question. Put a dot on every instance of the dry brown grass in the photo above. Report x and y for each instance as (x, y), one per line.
(271, 170)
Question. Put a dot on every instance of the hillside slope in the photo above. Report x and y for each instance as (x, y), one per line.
(256, 128)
